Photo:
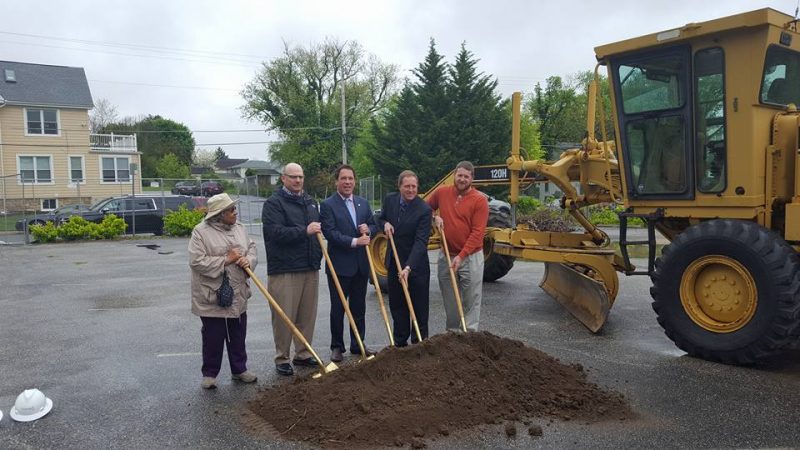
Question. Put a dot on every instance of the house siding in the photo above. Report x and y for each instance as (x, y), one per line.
(72, 140)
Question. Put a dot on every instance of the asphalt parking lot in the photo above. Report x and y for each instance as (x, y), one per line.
(104, 330)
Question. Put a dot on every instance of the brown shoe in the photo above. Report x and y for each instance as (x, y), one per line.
(367, 350)
(336, 355)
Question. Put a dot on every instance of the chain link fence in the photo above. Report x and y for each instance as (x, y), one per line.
(24, 203)
(370, 188)
(36, 198)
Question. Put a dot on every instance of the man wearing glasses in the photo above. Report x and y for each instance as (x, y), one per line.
(290, 219)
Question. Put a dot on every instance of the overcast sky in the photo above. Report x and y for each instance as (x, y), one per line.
(188, 60)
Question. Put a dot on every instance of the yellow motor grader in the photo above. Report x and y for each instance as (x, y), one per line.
(705, 152)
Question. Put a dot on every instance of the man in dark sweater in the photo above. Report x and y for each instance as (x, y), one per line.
(290, 219)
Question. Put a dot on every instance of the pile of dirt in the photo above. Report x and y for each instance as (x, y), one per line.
(447, 383)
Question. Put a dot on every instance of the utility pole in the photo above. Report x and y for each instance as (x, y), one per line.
(344, 130)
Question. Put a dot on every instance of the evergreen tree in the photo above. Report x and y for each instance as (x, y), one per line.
(479, 124)
(414, 133)
(219, 153)
(445, 115)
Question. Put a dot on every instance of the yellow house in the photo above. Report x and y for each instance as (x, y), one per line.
(48, 156)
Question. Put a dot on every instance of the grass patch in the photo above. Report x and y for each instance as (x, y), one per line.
(7, 222)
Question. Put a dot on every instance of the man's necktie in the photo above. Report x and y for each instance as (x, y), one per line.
(352, 209)
(402, 211)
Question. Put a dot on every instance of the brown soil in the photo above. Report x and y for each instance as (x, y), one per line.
(447, 383)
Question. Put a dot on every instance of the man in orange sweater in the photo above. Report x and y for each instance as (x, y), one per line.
(463, 212)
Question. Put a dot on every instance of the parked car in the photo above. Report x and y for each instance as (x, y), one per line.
(146, 210)
(42, 218)
(211, 188)
(186, 188)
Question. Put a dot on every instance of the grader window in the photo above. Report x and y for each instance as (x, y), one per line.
(709, 69)
(779, 85)
(656, 147)
(652, 84)
(653, 94)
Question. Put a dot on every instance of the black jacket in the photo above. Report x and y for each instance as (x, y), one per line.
(411, 233)
(289, 248)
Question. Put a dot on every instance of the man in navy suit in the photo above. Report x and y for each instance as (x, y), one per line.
(407, 218)
(347, 225)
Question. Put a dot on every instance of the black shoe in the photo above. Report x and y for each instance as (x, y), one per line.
(308, 362)
(336, 355)
(367, 350)
(284, 369)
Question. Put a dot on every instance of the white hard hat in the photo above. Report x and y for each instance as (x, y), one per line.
(31, 404)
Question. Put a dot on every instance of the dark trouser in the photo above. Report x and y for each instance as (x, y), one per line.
(216, 336)
(355, 291)
(418, 288)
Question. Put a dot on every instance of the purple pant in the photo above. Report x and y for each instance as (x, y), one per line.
(215, 336)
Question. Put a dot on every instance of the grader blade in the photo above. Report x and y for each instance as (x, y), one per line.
(584, 297)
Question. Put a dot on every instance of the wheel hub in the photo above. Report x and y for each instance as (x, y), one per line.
(718, 293)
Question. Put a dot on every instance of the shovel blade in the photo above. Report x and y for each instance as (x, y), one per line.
(584, 297)
(328, 369)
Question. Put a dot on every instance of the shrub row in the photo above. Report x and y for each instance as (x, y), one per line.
(79, 228)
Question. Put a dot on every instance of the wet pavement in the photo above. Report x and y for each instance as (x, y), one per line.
(104, 329)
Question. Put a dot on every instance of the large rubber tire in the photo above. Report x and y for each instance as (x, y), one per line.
(727, 291)
(377, 249)
(496, 266)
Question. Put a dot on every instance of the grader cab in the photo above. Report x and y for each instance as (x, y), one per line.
(705, 152)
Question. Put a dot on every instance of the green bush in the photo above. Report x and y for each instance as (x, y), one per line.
(607, 215)
(44, 233)
(77, 228)
(93, 231)
(528, 205)
(111, 226)
(182, 221)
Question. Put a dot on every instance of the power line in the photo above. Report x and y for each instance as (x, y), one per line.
(135, 46)
(165, 85)
(217, 61)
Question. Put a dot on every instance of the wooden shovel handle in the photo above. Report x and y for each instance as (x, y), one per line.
(285, 318)
(380, 296)
(453, 280)
(345, 303)
(405, 289)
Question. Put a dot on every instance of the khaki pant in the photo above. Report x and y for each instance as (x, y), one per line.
(469, 277)
(297, 294)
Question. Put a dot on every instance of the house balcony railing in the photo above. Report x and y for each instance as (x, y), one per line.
(123, 143)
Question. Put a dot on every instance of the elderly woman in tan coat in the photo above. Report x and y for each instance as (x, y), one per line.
(219, 243)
